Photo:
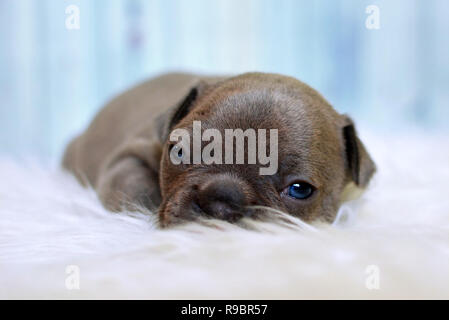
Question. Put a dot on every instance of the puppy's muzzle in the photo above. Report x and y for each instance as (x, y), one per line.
(222, 198)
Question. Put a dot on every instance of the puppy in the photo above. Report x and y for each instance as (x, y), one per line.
(125, 154)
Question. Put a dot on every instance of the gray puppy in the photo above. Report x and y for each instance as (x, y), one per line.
(125, 152)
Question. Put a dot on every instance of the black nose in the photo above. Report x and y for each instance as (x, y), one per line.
(222, 199)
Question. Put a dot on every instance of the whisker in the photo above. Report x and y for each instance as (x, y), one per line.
(293, 220)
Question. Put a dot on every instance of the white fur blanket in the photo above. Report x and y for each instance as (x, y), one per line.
(56, 240)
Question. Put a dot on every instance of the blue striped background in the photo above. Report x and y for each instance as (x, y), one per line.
(53, 80)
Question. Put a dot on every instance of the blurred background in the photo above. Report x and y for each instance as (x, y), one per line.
(53, 79)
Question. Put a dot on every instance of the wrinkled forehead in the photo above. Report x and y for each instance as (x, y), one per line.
(304, 114)
(256, 108)
(298, 116)
(306, 137)
(308, 131)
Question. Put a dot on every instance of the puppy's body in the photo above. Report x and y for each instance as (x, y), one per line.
(125, 120)
(129, 128)
(124, 152)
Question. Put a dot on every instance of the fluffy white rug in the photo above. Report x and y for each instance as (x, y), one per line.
(393, 242)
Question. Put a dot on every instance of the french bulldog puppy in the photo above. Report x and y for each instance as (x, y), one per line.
(126, 154)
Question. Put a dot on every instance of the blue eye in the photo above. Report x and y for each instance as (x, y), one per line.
(179, 154)
(176, 150)
(300, 190)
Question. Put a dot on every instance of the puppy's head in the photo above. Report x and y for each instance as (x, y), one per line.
(317, 152)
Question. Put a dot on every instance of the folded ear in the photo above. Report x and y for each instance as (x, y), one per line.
(359, 165)
(184, 107)
(169, 119)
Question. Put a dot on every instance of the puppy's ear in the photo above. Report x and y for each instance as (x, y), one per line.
(359, 164)
(184, 107)
(168, 120)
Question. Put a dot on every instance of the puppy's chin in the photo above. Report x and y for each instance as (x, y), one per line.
(172, 214)
(178, 207)
(183, 207)
(173, 211)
